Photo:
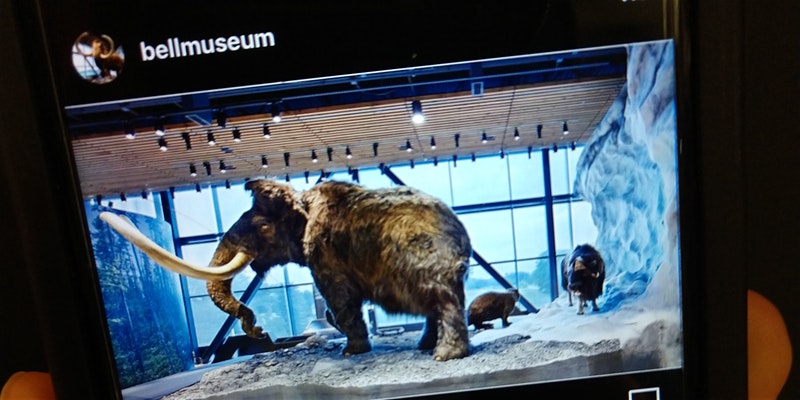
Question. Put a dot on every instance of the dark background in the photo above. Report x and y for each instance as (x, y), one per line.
(744, 65)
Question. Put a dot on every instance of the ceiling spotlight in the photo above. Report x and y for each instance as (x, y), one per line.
(130, 132)
(210, 137)
(455, 160)
(433, 143)
(162, 144)
(122, 196)
(265, 131)
(227, 184)
(408, 146)
(502, 154)
(330, 154)
(144, 194)
(411, 162)
(222, 118)
(435, 161)
(192, 170)
(530, 150)
(264, 163)
(306, 174)
(539, 131)
(473, 157)
(516, 134)
(159, 128)
(287, 178)
(314, 158)
(456, 137)
(222, 168)
(555, 148)
(197, 187)
(573, 146)
(564, 128)
(277, 113)
(375, 149)
(207, 166)
(347, 153)
(417, 116)
(286, 159)
(237, 136)
(187, 140)
(98, 199)
(484, 138)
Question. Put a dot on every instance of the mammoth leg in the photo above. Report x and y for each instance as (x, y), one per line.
(453, 340)
(222, 296)
(345, 303)
(430, 334)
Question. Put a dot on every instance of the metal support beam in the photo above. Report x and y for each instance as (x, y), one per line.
(550, 222)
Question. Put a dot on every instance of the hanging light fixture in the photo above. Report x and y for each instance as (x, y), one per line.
(484, 138)
(330, 154)
(192, 170)
(573, 146)
(375, 149)
(187, 140)
(264, 163)
(144, 194)
(456, 138)
(455, 160)
(411, 162)
(348, 153)
(276, 111)
(265, 131)
(473, 157)
(306, 174)
(530, 150)
(227, 184)
(555, 148)
(162, 144)
(197, 187)
(516, 134)
(417, 116)
(435, 161)
(286, 159)
(502, 154)
(222, 167)
(287, 178)
(222, 118)
(237, 135)
(408, 146)
(564, 128)
(433, 143)
(207, 166)
(314, 158)
(130, 131)
(159, 128)
(122, 196)
(539, 131)
(210, 138)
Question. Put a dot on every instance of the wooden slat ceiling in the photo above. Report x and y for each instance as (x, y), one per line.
(111, 164)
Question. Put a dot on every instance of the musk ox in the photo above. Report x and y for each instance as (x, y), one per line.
(398, 248)
(583, 272)
(492, 305)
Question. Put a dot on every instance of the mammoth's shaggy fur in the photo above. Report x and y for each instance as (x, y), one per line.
(583, 272)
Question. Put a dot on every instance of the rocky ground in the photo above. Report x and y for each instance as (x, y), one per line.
(316, 369)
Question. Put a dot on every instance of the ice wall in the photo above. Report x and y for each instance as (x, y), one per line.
(628, 173)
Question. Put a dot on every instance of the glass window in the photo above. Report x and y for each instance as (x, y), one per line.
(490, 234)
(530, 232)
(563, 227)
(303, 310)
(198, 254)
(297, 275)
(195, 213)
(534, 281)
(434, 181)
(272, 312)
(527, 175)
(583, 228)
(479, 282)
(233, 203)
(558, 172)
(482, 181)
(373, 179)
(135, 204)
(208, 319)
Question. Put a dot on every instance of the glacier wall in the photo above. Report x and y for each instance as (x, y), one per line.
(628, 172)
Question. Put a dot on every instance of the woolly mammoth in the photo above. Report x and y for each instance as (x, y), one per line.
(105, 55)
(397, 248)
(583, 272)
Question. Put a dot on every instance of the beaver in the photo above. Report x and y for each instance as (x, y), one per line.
(492, 305)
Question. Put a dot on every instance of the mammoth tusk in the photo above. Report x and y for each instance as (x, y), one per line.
(110, 46)
(169, 260)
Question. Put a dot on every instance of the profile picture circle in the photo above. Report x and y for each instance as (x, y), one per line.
(96, 58)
